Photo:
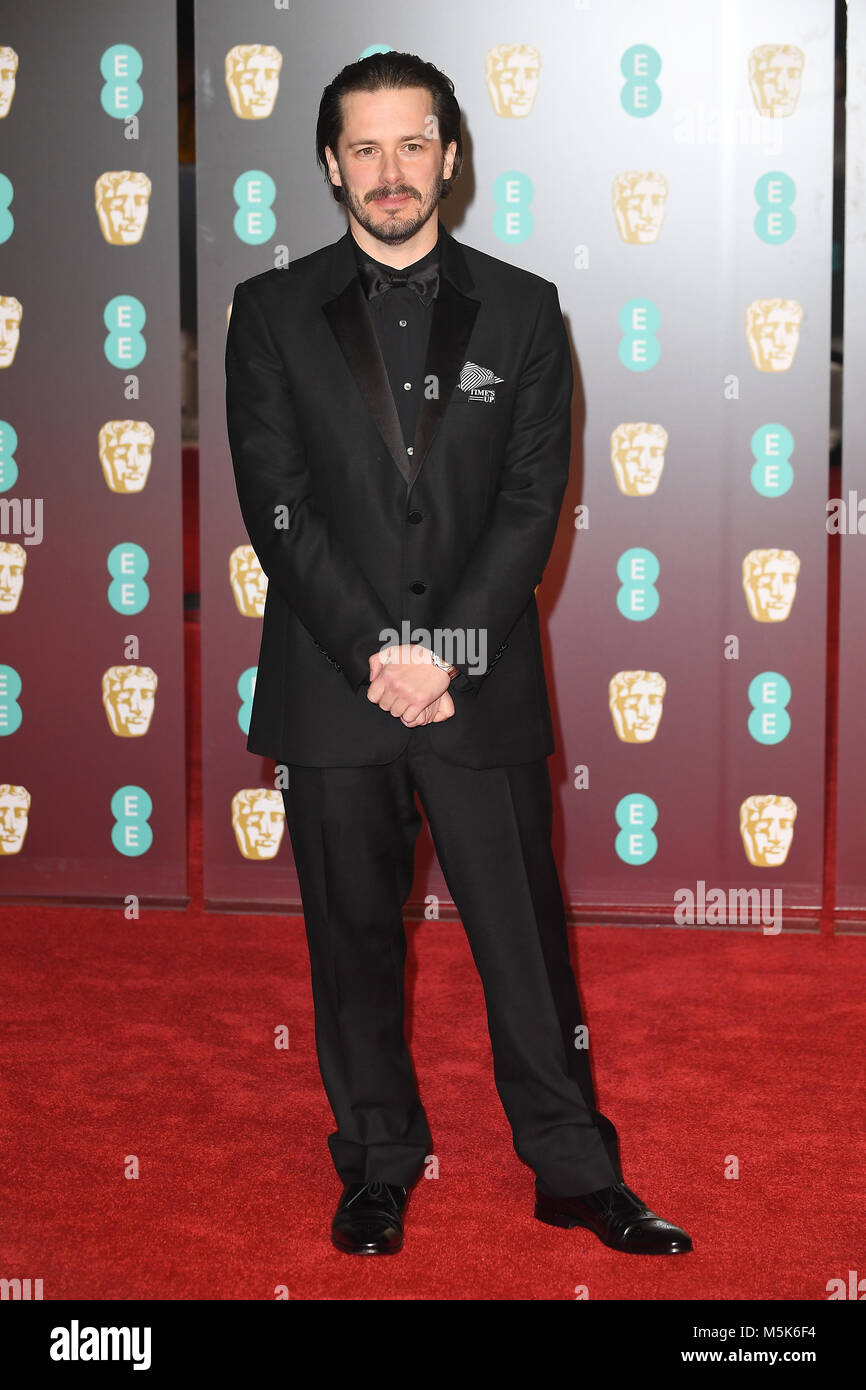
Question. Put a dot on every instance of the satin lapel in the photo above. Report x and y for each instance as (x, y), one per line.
(454, 316)
(352, 326)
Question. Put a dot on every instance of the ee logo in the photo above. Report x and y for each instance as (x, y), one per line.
(639, 321)
(124, 318)
(7, 221)
(10, 710)
(121, 67)
(636, 815)
(640, 66)
(772, 447)
(637, 571)
(246, 687)
(512, 193)
(774, 221)
(8, 466)
(254, 221)
(132, 809)
(127, 565)
(769, 694)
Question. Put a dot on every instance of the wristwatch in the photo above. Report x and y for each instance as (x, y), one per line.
(451, 671)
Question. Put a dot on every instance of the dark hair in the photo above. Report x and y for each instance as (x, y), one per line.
(386, 71)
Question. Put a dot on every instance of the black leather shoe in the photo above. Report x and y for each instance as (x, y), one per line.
(618, 1217)
(369, 1218)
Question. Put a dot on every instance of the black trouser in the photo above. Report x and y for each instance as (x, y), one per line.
(353, 832)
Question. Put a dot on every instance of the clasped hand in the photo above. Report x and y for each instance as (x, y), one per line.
(406, 684)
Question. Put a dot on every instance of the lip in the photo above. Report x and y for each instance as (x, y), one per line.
(392, 202)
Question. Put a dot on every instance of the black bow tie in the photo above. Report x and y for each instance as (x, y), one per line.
(424, 282)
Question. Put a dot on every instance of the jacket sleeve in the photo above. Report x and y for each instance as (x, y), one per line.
(499, 577)
(309, 568)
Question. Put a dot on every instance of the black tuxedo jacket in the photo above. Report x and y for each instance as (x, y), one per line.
(357, 537)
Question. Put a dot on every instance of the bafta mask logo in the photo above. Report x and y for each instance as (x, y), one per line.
(636, 700)
(126, 452)
(10, 328)
(637, 454)
(775, 77)
(773, 332)
(259, 819)
(8, 69)
(122, 201)
(639, 199)
(767, 829)
(249, 581)
(13, 558)
(770, 584)
(511, 72)
(14, 810)
(253, 79)
(129, 696)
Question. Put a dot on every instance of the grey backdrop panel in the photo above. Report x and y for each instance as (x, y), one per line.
(851, 817)
(55, 141)
(706, 266)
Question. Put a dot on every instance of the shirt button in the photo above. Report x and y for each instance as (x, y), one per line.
(415, 517)
(418, 587)
(402, 323)
(407, 386)
(410, 450)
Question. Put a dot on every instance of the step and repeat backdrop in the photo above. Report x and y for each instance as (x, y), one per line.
(669, 167)
(92, 759)
(846, 515)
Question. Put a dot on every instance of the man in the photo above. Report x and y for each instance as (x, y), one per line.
(398, 411)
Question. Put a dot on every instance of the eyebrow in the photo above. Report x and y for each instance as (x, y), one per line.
(353, 143)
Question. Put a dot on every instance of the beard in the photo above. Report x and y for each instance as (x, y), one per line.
(398, 226)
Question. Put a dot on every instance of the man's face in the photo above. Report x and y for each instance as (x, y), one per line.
(389, 162)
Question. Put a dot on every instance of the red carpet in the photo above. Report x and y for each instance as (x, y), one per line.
(155, 1039)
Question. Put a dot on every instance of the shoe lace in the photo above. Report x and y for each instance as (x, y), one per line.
(378, 1191)
(616, 1192)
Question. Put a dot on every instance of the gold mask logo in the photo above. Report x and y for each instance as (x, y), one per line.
(773, 333)
(637, 456)
(253, 79)
(249, 581)
(258, 819)
(770, 584)
(13, 558)
(126, 453)
(767, 829)
(10, 328)
(511, 71)
(639, 198)
(8, 69)
(775, 77)
(636, 700)
(122, 200)
(129, 697)
(14, 813)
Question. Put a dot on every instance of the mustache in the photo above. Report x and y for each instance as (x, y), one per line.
(393, 193)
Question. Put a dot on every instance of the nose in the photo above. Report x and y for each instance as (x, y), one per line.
(391, 171)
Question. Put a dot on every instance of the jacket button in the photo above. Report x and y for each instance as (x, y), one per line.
(415, 517)
(418, 587)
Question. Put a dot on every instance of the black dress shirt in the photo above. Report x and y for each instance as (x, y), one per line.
(402, 323)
